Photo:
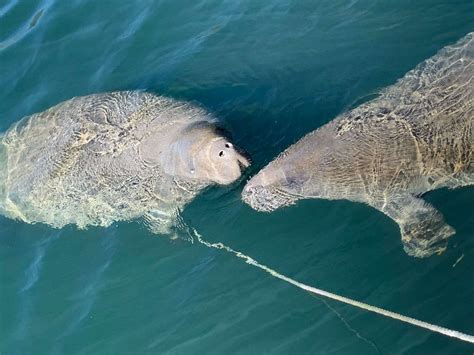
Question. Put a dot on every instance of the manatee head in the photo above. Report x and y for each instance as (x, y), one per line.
(280, 183)
(203, 152)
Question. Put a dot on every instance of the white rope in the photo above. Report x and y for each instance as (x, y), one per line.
(413, 321)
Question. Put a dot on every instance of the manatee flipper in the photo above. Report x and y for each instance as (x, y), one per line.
(424, 231)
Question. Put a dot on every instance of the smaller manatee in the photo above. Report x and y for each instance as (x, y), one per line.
(109, 157)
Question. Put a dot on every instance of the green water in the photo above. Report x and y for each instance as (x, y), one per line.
(272, 71)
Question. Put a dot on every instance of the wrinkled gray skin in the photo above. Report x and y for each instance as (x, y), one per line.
(417, 136)
(102, 158)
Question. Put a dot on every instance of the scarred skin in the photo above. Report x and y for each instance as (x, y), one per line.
(417, 136)
(109, 157)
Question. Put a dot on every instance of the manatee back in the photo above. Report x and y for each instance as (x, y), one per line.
(425, 118)
(440, 90)
(436, 99)
(451, 65)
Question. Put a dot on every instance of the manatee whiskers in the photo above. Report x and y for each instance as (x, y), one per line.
(268, 199)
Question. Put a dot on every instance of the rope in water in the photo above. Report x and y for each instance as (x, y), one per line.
(400, 317)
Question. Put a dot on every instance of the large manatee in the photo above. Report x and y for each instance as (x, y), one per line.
(417, 136)
(108, 157)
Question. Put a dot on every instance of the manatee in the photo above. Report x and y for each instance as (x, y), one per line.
(119, 156)
(415, 136)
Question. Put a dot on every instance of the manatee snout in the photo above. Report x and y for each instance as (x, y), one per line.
(269, 190)
(259, 198)
(243, 158)
(227, 161)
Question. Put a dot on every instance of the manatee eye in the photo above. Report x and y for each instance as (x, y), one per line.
(221, 153)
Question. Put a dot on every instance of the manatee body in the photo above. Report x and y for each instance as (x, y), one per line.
(417, 136)
(108, 157)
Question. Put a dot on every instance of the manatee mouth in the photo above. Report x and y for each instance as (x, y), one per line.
(243, 158)
(267, 199)
(243, 164)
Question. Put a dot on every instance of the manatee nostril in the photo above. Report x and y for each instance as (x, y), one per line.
(228, 145)
(221, 153)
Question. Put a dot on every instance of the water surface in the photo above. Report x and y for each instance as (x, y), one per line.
(272, 71)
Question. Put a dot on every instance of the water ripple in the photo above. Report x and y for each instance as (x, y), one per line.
(32, 276)
(27, 26)
(86, 296)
